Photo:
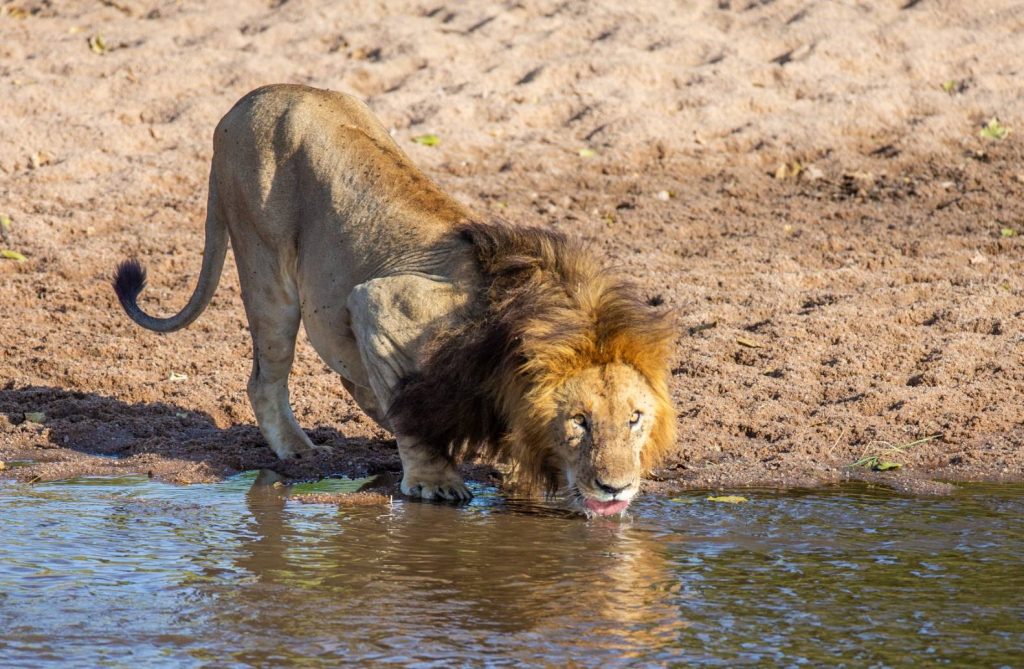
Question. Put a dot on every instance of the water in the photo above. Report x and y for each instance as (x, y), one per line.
(127, 572)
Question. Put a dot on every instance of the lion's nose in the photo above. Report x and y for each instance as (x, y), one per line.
(610, 489)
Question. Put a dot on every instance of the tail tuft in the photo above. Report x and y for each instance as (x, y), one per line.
(129, 280)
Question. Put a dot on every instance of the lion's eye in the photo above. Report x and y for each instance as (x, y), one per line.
(634, 419)
(580, 420)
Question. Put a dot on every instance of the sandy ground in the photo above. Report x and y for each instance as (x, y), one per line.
(804, 183)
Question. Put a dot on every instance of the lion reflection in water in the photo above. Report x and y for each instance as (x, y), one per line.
(510, 575)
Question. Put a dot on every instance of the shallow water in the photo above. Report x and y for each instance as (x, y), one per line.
(127, 572)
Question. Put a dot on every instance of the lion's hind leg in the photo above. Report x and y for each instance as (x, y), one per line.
(272, 307)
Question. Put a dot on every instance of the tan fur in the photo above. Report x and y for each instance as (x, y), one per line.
(332, 225)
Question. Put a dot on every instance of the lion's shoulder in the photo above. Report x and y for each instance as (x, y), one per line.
(394, 318)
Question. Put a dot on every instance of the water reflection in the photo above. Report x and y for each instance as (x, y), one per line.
(128, 572)
(452, 583)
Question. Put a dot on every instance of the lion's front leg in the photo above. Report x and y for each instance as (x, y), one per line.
(393, 318)
(429, 475)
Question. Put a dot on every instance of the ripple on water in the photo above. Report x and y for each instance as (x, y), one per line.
(130, 571)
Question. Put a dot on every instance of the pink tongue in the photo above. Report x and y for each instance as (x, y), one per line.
(606, 508)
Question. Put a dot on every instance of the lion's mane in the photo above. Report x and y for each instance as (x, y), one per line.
(545, 312)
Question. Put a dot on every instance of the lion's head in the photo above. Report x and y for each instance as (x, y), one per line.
(602, 431)
(561, 369)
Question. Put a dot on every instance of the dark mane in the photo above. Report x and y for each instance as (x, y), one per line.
(544, 312)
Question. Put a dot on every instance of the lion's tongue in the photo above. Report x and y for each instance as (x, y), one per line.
(607, 508)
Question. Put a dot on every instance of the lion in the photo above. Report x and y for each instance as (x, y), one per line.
(463, 338)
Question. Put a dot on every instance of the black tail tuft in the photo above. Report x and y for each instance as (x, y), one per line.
(129, 281)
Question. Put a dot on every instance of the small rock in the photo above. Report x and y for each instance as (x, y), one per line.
(663, 195)
(811, 173)
(800, 51)
(39, 159)
(344, 499)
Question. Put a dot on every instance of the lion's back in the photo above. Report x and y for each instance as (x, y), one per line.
(290, 114)
(328, 151)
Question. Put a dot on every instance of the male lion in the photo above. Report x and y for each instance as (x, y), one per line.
(459, 337)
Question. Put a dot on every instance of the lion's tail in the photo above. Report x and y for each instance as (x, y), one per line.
(130, 278)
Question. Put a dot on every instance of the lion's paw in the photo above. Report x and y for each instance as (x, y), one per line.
(306, 452)
(322, 449)
(450, 488)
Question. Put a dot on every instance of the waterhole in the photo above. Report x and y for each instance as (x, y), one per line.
(127, 572)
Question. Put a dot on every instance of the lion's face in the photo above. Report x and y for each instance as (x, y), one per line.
(604, 421)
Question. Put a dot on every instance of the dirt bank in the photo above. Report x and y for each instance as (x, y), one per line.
(841, 246)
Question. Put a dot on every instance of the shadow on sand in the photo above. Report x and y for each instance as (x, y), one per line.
(86, 434)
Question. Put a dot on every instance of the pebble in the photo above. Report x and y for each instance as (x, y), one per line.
(364, 498)
(811, 173)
